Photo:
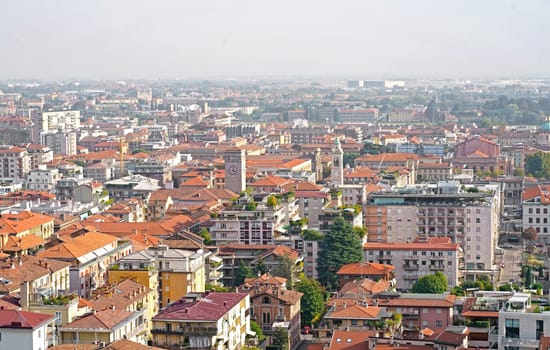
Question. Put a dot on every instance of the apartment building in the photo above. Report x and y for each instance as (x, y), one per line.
(469, 216)
(40, 154)
(90, 255)
(179, 271)
(358, 115)
(60, 141)
(536, 207)
(248, 222)
(127, 187)
(43, 179)
(521, 324)
(15, 162)
(418, 258)
(65, 120)
(204, 320)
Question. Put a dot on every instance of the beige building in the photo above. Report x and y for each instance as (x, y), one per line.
(15, 162)
(418, 258)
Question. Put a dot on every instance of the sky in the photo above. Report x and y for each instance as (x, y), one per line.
(207, 39)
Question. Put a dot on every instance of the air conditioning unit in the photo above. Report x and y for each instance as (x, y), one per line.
(102, 345)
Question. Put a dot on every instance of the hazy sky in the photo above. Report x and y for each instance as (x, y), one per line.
(245, 38)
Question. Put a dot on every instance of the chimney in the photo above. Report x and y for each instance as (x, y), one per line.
(24, 295)
(345, 305)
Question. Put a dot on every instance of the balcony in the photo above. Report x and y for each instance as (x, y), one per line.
(410, 267)
(437, 267)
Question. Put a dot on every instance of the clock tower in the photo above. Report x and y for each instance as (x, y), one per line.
(337, 173)
(235, 170)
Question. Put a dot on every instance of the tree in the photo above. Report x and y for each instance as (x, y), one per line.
(285, 269)
(258, 330)
(530, 234)
(431, 284)
(280, 338)
(538, 165)
(340, 246)
(244, 271)
(272, 201)
(260, 267)
(312, 303)
(207, 237)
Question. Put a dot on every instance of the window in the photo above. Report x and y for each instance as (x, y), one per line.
(478, 220)
(438, 310)
(512, 328)
(439, 323)
(540, 329)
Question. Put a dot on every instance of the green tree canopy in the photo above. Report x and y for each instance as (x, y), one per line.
(431, 284)
(285, 269)
(258, 330)
(280, 338)
(312, 304)
(538, 165)
(207, 237)
(244, 271)
(340, 246)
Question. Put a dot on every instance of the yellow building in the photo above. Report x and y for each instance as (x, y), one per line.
(127, 295)
(179, 271)
(218, 321)
(105, 327)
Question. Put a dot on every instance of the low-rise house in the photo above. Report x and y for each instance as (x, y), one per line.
(218, 321)
(434, 311)
(274, 306)
(104, 327)
(26, 330)
(373, 271)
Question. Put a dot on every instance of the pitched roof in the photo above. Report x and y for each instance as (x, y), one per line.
(350, 340)
(78, 246)
(210, 307)
(17, 244)
(23, 221)
(120, 296)
(105, 319)
(365, 268)
(365, 285)
(23, 319)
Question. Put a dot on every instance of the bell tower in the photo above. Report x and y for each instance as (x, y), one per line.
(337, 173)
(235, 170)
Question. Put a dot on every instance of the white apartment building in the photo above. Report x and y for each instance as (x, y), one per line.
(418, 258)
(64, 120)
(43, 179)
(470, 217)
(536, 207)
(521, 324)
(60, 141)
(15, 162)
(248, 223)
(39, 155)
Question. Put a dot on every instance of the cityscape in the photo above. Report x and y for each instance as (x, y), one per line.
(257, 176)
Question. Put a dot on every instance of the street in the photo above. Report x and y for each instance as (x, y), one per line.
(512, 265)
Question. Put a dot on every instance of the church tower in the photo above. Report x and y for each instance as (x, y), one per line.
(337, 174)
(235, 170)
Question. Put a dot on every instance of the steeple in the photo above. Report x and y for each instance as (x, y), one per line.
(337, 173)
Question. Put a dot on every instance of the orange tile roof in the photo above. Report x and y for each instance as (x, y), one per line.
(21, 222)
(78, 246)
(101, 320)
(18, 244)
(365, 268)
(354, 311)
(350, 340)
(121, 295)
(365, 285)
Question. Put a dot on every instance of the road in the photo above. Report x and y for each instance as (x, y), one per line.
(512, 265)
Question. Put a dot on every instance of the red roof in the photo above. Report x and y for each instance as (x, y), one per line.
(23, 319)
(210, 307)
